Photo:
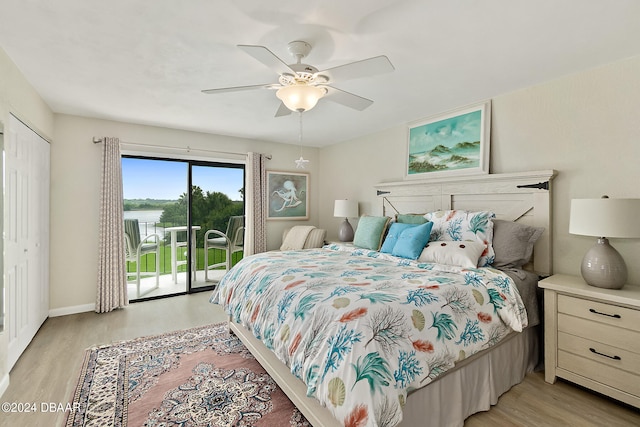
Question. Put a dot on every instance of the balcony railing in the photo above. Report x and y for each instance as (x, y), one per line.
(148, 262)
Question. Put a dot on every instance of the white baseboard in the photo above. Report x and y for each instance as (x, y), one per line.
(4, 383)
(63, 311)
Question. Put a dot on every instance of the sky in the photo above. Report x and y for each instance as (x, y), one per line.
(162, 179)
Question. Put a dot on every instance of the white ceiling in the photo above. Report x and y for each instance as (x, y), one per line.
(147, 61)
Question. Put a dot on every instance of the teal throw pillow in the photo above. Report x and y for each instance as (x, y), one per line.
(370, 232)
(411, 219)
(392, 236)
(412, 241)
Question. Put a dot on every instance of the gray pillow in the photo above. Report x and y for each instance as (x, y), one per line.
(513, 243)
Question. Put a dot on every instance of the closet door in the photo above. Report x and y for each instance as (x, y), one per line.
(26, 235)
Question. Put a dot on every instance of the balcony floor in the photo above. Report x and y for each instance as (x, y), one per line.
(168, 287)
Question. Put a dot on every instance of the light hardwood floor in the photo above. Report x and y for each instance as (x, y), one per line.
(48, 370)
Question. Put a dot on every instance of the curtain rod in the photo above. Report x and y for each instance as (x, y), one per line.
(188, 149)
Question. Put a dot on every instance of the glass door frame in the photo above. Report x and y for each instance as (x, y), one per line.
(204, 163)
(189, 163)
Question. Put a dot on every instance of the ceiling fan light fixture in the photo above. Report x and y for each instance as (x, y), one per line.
(300, 97)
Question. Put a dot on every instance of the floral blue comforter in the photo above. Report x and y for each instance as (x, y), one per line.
(361, 328)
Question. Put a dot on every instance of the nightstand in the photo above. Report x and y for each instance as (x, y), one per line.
(592, 336)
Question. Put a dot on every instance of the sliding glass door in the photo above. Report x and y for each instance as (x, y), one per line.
(217, 217)
(168, 227)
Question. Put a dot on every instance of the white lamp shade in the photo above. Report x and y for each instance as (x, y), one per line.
(345, 209)
(605, 217)
(300, 97)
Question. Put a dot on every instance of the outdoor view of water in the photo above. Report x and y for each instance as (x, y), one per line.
(144, 216)
(147, 221)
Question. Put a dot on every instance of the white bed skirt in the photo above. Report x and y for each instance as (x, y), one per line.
(471, 387)
(474, 386)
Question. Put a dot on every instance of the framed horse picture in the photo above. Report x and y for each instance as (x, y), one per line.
(287, 195)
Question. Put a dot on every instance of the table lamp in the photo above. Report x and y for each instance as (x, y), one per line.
(603, 266)
(345, 209)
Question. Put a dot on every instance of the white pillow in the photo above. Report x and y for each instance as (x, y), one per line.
(463, 253)
(459, 225)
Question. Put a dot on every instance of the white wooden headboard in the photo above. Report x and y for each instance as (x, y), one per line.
(523, 197)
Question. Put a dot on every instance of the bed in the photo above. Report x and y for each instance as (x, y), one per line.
(359, 335)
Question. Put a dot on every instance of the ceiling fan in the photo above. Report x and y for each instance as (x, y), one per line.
(300, 85)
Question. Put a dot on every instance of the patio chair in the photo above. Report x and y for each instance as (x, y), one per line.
(231, 242)
(135, 248)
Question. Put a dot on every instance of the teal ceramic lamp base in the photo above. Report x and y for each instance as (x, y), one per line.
(603, 266)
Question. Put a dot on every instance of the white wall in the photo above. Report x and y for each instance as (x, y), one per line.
(18, 97)
(75, 193)
(586, 126)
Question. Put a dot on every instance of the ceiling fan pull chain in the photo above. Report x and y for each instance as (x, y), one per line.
(300, 163)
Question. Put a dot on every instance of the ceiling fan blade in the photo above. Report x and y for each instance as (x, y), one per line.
(347, 98)
(283, 110)
(268, 58)
(366, 67)
(240, 88)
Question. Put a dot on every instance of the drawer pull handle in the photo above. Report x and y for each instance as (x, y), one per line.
(593, 350)
(615, 316)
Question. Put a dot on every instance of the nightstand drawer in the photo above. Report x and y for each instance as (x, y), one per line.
(604, 374)
(592, 336)
(599, 332)
(617, 316)
(602, 353)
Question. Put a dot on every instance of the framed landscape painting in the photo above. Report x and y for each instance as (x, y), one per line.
(287, 195)
(456, 143)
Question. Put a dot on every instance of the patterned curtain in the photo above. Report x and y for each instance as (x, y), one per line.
(255, 238)
(112, 275)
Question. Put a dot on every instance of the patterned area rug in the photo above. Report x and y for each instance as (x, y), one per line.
(197, 377)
